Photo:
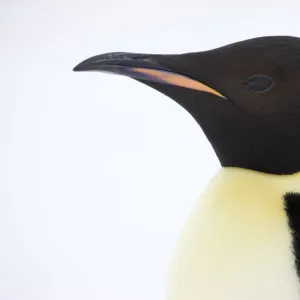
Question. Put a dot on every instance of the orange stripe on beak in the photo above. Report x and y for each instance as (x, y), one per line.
(177, 80)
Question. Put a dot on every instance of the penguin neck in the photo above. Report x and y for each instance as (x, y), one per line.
(239, 240)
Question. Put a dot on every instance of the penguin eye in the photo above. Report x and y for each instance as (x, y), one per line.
(259, 83)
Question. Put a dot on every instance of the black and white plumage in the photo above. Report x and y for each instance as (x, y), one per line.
(243, 240)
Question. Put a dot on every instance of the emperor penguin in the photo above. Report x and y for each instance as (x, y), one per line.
(242, 242)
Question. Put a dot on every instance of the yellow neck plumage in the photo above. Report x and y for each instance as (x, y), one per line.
(237, 244)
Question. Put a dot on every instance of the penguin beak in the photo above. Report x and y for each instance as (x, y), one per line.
(141, 67)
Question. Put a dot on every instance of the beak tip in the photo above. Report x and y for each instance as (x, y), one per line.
(85, 65)
(78, 68)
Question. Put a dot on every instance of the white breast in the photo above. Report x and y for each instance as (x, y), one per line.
(237, 244)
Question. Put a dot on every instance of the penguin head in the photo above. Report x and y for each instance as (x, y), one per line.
(245, 96)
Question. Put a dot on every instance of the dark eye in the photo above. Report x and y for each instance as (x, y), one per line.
(259, 83)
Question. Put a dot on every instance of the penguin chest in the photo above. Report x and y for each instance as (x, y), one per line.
(238, 244)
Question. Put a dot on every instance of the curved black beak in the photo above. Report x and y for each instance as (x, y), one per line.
(142, 67)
